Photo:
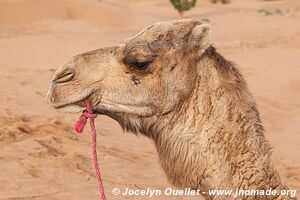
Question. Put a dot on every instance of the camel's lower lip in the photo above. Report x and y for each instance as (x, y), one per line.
(78, 106)
(71, 108)
(74, 107)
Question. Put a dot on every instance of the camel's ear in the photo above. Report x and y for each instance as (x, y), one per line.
(200, 37)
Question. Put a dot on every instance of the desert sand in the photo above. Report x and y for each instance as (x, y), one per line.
(42, 158)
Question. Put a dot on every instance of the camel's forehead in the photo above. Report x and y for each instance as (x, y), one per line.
(171, 29)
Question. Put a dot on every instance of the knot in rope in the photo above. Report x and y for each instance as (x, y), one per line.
(80, 124)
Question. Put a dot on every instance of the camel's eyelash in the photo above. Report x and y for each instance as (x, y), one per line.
(137, 65)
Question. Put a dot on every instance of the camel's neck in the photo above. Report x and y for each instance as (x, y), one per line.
(216, 140)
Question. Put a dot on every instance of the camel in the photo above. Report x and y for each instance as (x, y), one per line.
(170, 84)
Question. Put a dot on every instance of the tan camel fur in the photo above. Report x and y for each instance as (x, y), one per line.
(169, 84)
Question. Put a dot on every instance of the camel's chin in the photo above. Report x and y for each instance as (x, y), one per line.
(71, 109)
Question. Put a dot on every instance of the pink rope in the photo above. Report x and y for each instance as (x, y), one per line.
(79, 126)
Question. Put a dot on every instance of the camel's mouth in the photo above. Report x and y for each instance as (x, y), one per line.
(74, 107)
(77, 106)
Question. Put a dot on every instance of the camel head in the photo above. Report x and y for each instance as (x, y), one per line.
(149, 74)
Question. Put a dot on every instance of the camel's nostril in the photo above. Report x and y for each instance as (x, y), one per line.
(64, 76)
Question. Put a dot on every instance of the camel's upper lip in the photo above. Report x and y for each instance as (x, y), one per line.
(76, 102)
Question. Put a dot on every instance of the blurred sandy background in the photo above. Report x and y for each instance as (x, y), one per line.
(41, 158)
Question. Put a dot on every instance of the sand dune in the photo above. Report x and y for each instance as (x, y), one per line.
(41, 158)
(20, 12)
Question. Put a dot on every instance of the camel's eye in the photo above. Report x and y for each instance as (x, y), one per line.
(139, 65)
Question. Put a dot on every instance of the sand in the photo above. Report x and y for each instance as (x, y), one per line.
(42, 158)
